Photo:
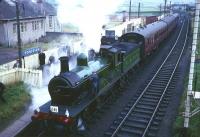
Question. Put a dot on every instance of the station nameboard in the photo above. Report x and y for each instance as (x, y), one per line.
(31, 51)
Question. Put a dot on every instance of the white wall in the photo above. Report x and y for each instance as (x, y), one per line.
(2, 34)
(56, 27)
(9, 38)
(32, 61)
(124, 26)
(27, 36)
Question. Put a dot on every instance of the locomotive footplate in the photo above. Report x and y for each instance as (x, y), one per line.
(59, 113)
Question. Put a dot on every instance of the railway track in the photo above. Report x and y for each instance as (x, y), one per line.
(142, 115)
(42, 133)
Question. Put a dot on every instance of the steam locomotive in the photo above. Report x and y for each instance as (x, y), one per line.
(73, 93)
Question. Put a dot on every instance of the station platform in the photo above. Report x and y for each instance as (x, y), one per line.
(20, 123)
(8, 55)
(14, 128)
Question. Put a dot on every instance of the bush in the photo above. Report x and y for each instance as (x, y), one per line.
(17, 97)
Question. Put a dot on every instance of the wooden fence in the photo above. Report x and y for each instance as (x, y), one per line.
(32, 61)
(28, 76)
(28, 73)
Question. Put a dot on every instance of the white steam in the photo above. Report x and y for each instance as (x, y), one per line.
(89, 16)
(41, 95)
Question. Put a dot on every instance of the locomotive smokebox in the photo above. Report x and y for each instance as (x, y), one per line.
(64, 64)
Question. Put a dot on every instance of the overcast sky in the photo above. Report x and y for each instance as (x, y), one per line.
(150, 2)
(142, 1)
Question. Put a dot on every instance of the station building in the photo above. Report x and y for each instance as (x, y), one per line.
(36, 18)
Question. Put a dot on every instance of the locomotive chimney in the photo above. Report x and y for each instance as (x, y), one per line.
(64, 65)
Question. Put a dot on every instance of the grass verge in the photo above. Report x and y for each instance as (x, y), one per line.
(194, 123)
(17, 98)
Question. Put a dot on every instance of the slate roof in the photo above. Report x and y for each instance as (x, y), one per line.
(28, 9)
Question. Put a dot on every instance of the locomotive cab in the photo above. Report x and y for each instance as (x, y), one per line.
(116, 56)
(113, 55)
(132, 38)
(135, 38)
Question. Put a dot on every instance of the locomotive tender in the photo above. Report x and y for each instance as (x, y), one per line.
(73, 92)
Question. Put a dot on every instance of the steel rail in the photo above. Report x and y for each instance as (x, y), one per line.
(149, 123)
(138, 99)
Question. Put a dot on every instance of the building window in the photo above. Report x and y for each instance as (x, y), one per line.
(37, 26)
(14, 27)
(25, 26)
(33, 26)
(22, 27)
(50, 21)
(42, 25)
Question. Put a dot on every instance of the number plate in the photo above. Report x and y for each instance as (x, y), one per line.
(54, 109)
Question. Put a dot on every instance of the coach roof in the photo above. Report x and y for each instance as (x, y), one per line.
(150, 29)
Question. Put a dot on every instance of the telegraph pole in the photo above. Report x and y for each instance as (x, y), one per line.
(139, 10)
(130, 11)
(160, 9)
(18, 34)
(165, 7)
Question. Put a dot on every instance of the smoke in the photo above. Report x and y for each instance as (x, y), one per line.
(41, 95)
(52, 69)
(89, 16)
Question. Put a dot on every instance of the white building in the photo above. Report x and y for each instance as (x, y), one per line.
(35, 20)
(123, 28)
(182, 7)
(52, 24)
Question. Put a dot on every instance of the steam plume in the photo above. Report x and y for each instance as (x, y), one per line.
(89, 16)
